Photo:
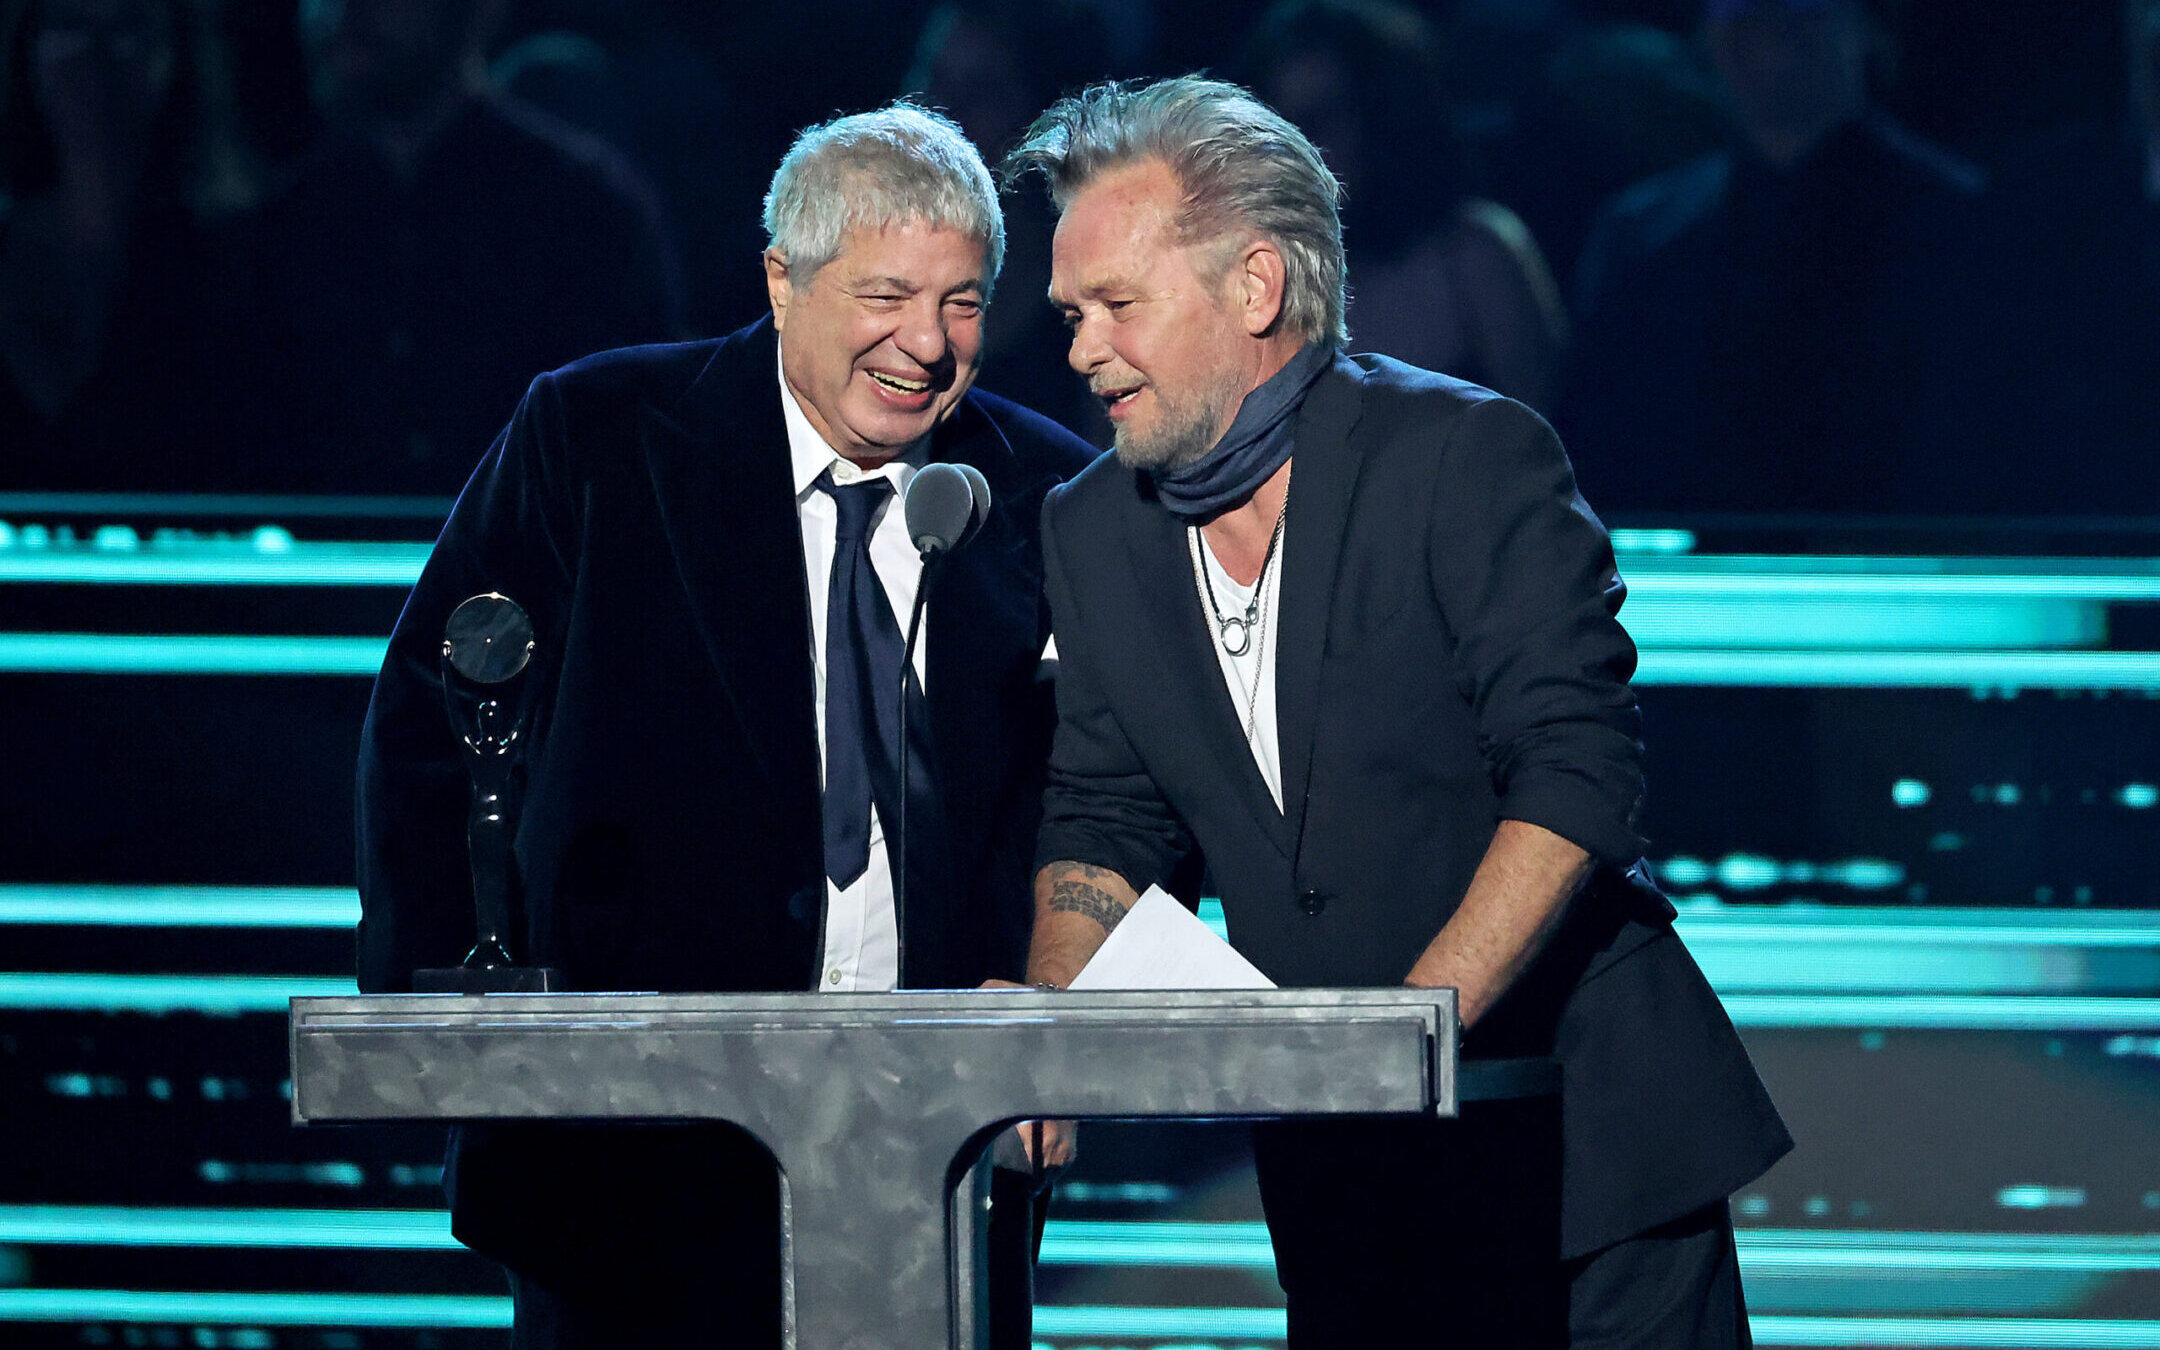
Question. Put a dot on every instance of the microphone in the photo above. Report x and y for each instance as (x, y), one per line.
(981, 488)
(945, 505)
(940, 509)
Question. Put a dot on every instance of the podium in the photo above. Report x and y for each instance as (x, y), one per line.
(877, 1106)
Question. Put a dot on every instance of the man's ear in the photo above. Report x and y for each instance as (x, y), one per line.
(1258, 276)
(778, 289)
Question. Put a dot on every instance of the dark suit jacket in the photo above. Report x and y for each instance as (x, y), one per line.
(640, 506)
(1449, 657)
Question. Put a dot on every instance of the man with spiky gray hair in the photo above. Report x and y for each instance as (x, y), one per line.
(1347, 629)
(709, 541)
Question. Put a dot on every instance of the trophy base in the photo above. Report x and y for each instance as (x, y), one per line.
(487, 980)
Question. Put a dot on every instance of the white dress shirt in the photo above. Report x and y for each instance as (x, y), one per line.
(862, 934)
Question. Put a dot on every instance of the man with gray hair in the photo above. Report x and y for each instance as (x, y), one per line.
(709, 542)
(1347, 628)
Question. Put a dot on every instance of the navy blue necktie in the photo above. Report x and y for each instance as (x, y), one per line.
(862, 685)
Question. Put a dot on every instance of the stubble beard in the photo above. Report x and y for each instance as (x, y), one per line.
(1185, 433)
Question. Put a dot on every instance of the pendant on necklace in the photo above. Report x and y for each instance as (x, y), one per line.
(1240, 644)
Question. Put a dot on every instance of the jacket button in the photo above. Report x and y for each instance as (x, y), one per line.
(1311, 901)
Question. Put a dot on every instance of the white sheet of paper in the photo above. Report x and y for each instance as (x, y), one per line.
(1160, 944)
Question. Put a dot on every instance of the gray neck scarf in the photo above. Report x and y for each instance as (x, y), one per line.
(1256, 445)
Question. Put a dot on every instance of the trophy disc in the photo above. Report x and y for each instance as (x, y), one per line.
(488, 639)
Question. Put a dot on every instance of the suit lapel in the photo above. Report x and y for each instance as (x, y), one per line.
(1191, 680)
(726, 499)
(1323, 478)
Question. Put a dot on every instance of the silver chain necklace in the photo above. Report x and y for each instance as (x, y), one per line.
(1235, 631)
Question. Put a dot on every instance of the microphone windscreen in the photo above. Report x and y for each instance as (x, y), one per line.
(981, 487)
(940, 504)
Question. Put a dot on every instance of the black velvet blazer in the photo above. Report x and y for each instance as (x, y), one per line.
(1448, 656)
(640, 507)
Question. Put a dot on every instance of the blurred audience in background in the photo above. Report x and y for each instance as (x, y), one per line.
(994, 67)
(119, 153)
(322, 245)
(1610, 105)
(652, 81)
(1439, 277)
(1753, 325)
(2046, 396)
(437, 247)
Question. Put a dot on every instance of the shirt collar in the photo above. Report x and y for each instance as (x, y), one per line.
(811, 456)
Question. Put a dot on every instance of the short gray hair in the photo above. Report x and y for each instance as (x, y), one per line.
(1243, 168)
(876, 170)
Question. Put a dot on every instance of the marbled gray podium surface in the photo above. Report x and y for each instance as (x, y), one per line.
(876, 1106)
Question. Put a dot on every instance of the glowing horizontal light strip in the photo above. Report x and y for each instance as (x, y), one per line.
(1901, 669)
(1791, 1249)
(1168, 1243)
(1656, 562)
(228, 994)
(1661, 618)
(1628, 542)
(335, 906)
(231, 654)
(486, 1312)
(280, 1309)
(1803, 923)
(181, 906)
(1094, 1242)
(1818, 1271)
(1768, 949)
(225, 565)
(117, 1226)
(189, 654)
(37, 991)
(2053, 1333)
(1801, 949)
(244, 506)
(1943, 1012)
(1853, 577)
(1107, 1320)
(2058, 1333)
(1231, 1245)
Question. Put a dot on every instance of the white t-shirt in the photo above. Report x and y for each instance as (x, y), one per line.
(1250, 676)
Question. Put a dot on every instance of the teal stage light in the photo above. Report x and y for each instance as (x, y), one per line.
(221, 506)
(189, 654)
(1823, 950)
(2064, 1333)
(445, 1311)
(216, 995)
(1788, 965)
(103, 906)
(2137, 672)
(122, 1226)
(248, 654)
(1941, 1012)
(237, 564)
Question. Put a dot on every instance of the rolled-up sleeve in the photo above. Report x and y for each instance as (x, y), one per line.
(1101, 806)
(1527, 581)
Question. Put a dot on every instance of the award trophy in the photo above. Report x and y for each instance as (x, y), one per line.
(486, 646)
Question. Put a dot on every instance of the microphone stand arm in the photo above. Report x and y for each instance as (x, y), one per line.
(898, 845)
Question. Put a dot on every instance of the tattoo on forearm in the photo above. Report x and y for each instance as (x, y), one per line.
(1078, 897)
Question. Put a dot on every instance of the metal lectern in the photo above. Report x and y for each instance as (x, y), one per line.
(877, 1106)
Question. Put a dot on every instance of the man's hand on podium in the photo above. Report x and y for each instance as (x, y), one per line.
(1051, 1145)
